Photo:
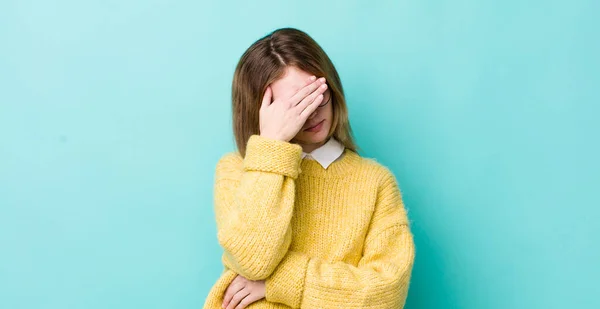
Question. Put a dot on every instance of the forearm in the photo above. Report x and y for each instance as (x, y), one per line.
(254, 202)
(257, 234)
(380, 281)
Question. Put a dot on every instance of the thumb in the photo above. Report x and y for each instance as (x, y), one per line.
(266, 101)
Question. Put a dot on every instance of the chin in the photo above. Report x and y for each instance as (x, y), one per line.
(313, 138)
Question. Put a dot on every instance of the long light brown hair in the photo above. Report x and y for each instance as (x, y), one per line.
(264, 62)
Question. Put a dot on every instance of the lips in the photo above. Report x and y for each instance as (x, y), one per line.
(315, 125)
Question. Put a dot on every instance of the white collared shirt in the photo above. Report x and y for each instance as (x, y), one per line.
(326, 154)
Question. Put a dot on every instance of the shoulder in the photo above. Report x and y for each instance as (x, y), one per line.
(376, 170)
(230, 158)
(229, 164)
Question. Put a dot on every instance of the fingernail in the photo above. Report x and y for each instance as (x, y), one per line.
(322, 79)
(312, 78)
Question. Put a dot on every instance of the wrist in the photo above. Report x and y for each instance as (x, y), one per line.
(273, 136)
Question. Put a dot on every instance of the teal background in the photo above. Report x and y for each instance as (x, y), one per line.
(113, 115)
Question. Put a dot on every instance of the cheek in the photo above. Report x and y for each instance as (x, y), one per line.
(328, 114)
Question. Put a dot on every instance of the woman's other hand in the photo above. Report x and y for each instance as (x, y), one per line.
(241, 292)
(282, 119)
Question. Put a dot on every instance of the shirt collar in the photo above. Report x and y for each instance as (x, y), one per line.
(326, 154)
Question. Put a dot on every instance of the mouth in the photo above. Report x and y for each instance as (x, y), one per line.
(315, 127)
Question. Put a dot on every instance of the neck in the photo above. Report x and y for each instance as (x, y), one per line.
(308, 148)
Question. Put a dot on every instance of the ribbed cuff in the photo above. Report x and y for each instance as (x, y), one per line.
(286, 284)
(275, 156)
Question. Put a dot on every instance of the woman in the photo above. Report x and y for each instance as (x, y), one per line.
(304, 221)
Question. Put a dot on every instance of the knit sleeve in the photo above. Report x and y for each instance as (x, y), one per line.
(254, 200)
(380, 280)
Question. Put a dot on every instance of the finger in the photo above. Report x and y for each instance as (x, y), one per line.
(234, 287)
(311, 98)
(266, 101)
(312, 107)
(252, 297)
(237, 298)
(302, 93)
(309, 81)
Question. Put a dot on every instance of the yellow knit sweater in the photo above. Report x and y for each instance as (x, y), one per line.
(321, 238)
